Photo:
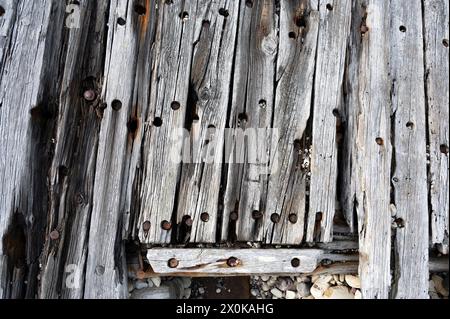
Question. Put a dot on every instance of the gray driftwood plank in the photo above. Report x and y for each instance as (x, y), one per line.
(210, 79)
(372, 147)
(251, 109)
(335, 17)
(409, 169)
(286, 196)
(436, 23)
(172, 55)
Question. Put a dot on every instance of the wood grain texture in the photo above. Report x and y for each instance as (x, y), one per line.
(335, 17)
(287, 189)
(436, 34)
(409, 171)
(251, 110)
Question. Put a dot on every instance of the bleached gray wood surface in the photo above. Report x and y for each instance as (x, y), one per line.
(93, 94)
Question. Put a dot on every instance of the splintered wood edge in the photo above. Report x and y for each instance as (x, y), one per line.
(242, 262)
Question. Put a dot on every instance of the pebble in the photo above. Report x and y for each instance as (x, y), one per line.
(156, 281)
(277, 293)
(254, 292)
(302, 289)
(439, 285)
(265, 287)
(187, 293)
(338, 292)
(218, 291)
(186, 282)
(319, 288)
(201, 290)
(284, 284)
(265, 278)
(290, 294)
(353, 281)
(341, 277)
(140, 284)
(358, 294)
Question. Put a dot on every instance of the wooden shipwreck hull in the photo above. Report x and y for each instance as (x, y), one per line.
(350, 96)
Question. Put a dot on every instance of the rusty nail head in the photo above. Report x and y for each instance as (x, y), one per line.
(54, 235)
(275, 218)
(232, 262)
(146, 226)
(293, 218)
(234, 216)
(295, 262)
(256, 214)
(89, 95)
(204, 217)
(173, 263)
(166, 225)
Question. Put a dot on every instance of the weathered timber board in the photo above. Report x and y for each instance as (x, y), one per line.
(436, 34)
(409, 171)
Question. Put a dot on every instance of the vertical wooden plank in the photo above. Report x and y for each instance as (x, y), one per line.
(436, 30)
(335, 17)
(73, 166)
(210, 77)
(106, 275)
(409, 169)
(251, 110)
(286, 196)
(27, 106)
(172, 55)
(373, 146)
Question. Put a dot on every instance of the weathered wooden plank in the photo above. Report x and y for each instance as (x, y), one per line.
(210, 79)
(409, 169)
(335, 17)
(371, 102)
(30, 45)
(286, 195)
(436, 34)
(251, 111)
(218, 262)
(106, 269)
(172, 57)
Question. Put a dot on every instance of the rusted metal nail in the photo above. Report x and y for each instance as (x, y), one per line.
(54, 235)
(232, 262)
(188, 221)
(256, 214)
(295, 262)
(89, 95)
(146, 226)
(275, 218)
(173, 263)
(293, 218)
(234, 216)
(175, 105)
(166, 225)
(204, 217)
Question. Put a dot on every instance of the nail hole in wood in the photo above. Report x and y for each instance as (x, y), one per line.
(116, 105)
(275, 218)
(336, 112)
(329, 7)
(89, 95)
(224, 12)
(205, 23)
(379, 141)
(184, 16)
(249, 3)
(297, 144)
(204, 217)
(173, 263)
(2, 11)
(292, 35)
(444, 148)
(175, 105)
(410, 125)
(234, 216)
(402, 28)
(140, 9)
(243, 117)
(232, 262)
(400, 222)
(256, 214)
(293, 218)
(445, 43)
(157, 122)
(395, 179)
(166, 225)
(262, 103)
(99, 270)
(146, 226)
(295, 262)
(121, 21)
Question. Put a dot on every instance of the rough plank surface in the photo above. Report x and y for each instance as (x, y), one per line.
(409, 168)
(436, 34)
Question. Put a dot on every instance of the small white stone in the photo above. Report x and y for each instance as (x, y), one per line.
(319, 288)
(156, 281)
(314, 278)
(218, 291)
(353, 281)
(358, 294)
(201, 290)
(150, 283)
(339, 292)
(439, 285)
(290, 294)
(254, 292)
(336, 278)
(325, 278)
(265, 287)
(265, 278)
(302, 289)
(277, 293)
(341, 277)
(140, 284)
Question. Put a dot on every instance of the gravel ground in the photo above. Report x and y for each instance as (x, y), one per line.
(265, 287)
